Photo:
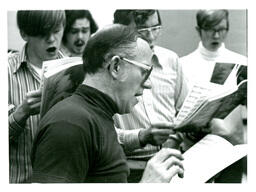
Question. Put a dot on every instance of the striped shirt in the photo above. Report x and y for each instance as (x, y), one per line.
(22, 78)
(158, 104)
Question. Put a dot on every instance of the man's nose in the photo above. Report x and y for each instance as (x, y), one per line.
(147, 84)
(216, 34)
(150, 36)
(50, 38)
(80, 35)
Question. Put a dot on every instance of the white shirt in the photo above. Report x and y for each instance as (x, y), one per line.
(199, 65)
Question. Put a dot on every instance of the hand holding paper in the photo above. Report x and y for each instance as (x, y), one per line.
(157, 134)
(29, 106)
(163, 166)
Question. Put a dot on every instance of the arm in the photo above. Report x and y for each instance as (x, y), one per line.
(230, 128)
(19, 115)
(61, 154)
(138, 138)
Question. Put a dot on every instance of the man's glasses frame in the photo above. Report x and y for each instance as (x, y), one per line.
(221, 31)
(146, 67)
(153, 30)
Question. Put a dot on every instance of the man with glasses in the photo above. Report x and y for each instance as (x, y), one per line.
(77, 141)
(212, 27)
(147, 128)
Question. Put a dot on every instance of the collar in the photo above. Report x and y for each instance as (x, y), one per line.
(98, 99)
(65, 50)
(155, 57)
(23, 59)
(210, 54)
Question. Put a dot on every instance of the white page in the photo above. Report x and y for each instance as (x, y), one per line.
(197, 95)
(207, 158)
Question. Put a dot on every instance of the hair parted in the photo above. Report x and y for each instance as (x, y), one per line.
(73, 15)
(40, 22)
(139, 16)
(207, 19)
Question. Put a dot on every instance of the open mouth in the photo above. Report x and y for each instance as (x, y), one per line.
(51, 49)
(138, 94)
(215, 43)
(79, 43)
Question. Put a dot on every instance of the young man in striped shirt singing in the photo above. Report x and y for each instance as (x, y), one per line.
(42, 31)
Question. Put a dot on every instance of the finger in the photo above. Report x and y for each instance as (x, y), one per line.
(168, 163)
(32, 101)
(35, 109)
(177, 137)
(36, 93)
(174, 170)
(164, 124)
(160, 140)
(36, 105)
(162, 132)
(165, 153)
(181, 173)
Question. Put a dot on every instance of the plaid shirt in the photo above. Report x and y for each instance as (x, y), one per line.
(22, 78)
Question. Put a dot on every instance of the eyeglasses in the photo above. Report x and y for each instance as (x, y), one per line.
(221, 31)
(154, 30)
(146, 67)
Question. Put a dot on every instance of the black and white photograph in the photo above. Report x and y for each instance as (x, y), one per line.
(145, 94)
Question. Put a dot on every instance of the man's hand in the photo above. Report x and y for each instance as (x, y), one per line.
(156, 135)
(163, 166)
(231, 133)
(29, 106)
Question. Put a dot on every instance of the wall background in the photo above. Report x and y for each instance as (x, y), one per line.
(178, 32)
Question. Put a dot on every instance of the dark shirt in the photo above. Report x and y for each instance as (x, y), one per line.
(77, 141)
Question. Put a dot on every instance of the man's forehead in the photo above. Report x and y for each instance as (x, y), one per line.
(81, 22)
(152, 21)
(222, 23)
(143, 49)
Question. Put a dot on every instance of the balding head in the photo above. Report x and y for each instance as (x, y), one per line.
(107, 42)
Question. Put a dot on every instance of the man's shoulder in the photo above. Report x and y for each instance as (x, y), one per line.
(14, 58)
(161, 51)
(236, 57)
(71, 110)
(189, 55)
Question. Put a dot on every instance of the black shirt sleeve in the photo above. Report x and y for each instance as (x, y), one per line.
(60, 154)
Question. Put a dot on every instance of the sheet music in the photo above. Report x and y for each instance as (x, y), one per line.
(197, 95)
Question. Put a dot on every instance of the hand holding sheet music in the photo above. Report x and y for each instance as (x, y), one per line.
(60, 78)
(210, 100)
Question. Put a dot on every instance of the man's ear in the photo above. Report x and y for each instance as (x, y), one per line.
(114, 67)
(198, 31)
(24, 36)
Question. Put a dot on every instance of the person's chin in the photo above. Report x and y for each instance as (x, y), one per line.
(215, 46)
(133, 103)
(50, 57)
(79, 49)
(129, 106)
